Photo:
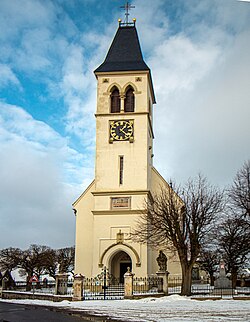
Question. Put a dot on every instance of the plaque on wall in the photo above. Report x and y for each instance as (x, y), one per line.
(120, 202)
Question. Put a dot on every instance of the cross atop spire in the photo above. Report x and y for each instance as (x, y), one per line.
(127, 7)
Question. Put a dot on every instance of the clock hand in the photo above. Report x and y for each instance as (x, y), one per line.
(122, 130)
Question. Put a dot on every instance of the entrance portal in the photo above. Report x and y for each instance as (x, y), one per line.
(119, 265)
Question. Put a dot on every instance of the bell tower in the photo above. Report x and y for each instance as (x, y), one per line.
(109, 208)
(124, 132)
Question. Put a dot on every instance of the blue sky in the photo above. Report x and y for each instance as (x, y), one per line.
(198, 52)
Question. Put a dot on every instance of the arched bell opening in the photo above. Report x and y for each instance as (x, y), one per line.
(115, 100)
(129, 103)
(119, 264)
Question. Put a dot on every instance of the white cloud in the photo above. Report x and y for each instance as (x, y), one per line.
(37, 37)
(16, 17)
(78, 91)
(40, 177)
(178, 64)
(152, 22)
(33, 52)
(7, 76)
(202, 89)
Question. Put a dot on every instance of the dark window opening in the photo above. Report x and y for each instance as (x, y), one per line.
(129, 103)
(115, 101)
(121, 170)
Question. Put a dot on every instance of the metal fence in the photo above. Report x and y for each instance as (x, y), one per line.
(206, 290)
(147, 285)
(106, 287)
(174, 285)
(103, 287)
(40, 287)
(96, 289)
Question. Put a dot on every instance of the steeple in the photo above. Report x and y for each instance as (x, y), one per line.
(124, 174)
(124, 53)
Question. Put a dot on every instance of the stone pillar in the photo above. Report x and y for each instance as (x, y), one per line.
(122, 97)
(4, 286)
(163, 273)
(164, 286)
(222, 281)
(61, 284)
(78, 288)
(4, 283)
(128, 284)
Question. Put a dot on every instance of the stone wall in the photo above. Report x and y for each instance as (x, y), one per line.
(12, 295)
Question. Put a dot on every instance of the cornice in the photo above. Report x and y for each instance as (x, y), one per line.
(121, 193)
(118, 212)
(122, 114)
(132, 72)
(83, 194)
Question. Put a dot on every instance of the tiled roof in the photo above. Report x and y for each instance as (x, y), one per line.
(124, 53)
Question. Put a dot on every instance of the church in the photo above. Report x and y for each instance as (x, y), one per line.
(125, 177)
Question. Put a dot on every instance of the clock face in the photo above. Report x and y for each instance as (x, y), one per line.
(122, 130)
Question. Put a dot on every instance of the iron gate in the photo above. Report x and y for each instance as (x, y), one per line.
(103, 287)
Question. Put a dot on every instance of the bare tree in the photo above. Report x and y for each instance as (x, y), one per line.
(33, 261)
(233, 237)
(66, 259)
(208, 261)
(50, 262)
(37, 260)
(180, 220)
(9, 258)
(239, 193)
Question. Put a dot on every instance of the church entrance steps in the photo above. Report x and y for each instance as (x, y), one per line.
(93, 290)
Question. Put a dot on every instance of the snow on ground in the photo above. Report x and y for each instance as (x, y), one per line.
(171, 308)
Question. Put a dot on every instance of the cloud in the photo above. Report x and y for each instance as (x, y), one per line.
(179, 63)
(152, 22)
(37, 183)
(16, 17)
(41, 173)
(8, 76)
(37, 38)
(202, 90)
(77, 88)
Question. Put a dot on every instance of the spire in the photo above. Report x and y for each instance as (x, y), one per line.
(124, 53)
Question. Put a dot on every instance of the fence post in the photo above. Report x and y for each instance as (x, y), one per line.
(164, 276)
(78, 288)
(128, 284)
(61, 284)
(4, 283)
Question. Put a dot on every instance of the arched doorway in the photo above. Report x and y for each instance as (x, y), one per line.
(119, 265)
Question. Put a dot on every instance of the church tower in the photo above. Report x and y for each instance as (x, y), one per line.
(124, 174)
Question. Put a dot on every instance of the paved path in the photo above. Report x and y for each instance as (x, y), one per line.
(10, 312)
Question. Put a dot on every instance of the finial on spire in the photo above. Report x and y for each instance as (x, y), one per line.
(127, 7)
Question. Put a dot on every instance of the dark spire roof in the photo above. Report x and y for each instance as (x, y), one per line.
(124, 53)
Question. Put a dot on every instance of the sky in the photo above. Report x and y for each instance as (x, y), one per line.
(199, 55)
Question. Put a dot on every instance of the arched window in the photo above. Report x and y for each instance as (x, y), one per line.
(129, 103)
(115, 100)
